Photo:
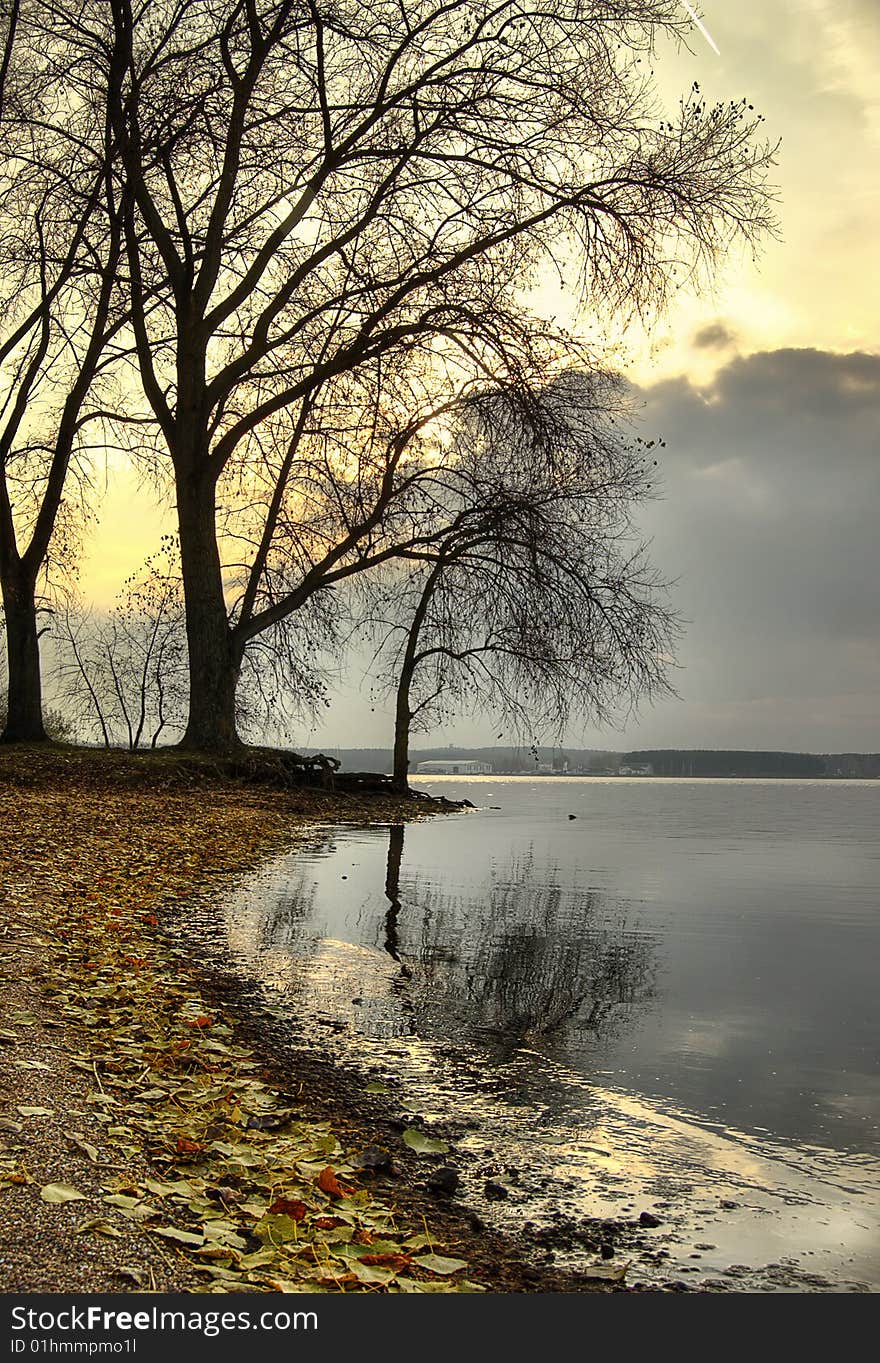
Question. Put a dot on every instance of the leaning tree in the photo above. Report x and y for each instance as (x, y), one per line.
(317, 195)
(537, 601)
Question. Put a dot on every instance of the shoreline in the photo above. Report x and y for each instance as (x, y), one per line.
(187, 1121)
(111, 1026)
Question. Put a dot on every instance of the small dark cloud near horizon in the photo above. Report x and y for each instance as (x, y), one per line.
(715, 336)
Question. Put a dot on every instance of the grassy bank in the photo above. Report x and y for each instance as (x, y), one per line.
(147, 1141)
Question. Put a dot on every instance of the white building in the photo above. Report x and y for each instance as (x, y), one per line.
(454, 766)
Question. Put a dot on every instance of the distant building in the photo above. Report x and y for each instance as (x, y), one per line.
(637, 769)
(454, 766)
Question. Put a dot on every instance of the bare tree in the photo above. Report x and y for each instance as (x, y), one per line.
(124, 676)
(317, 194)
(57, 724)
(59, 253)
(3, 683)
(538, 604)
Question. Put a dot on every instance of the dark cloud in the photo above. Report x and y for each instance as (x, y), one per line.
(715, 336)
(766, 522)
(770, 489)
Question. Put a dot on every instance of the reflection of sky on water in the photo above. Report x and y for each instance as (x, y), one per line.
(708, 947)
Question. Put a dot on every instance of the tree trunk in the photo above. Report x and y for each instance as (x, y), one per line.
(214, 661)
(403, 715)
(402, 720)
(24, 715)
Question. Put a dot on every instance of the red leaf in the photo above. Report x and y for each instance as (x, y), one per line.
(151, 920)
(387, 1260)
(286, 1206)
(187, 1147)
(200, 1022)
(328, 1222)
(329, 1183)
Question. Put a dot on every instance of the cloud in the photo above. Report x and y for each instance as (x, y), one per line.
(765, 522)
(715, 336)
(767, 519)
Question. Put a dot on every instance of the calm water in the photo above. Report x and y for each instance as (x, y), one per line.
(667, 1001)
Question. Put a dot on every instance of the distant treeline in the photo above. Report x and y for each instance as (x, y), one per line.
(671, 762)
(712, 762)
(662, 761)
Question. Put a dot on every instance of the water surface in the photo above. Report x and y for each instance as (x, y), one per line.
(667, 1001)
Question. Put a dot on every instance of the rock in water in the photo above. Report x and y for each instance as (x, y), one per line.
(374, 1157)
(495, 1192)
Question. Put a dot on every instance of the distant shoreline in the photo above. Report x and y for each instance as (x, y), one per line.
(618, 776)
(727, 764)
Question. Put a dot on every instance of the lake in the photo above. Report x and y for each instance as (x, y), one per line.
(666, 1002)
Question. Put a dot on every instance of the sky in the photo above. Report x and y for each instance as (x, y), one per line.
(766, 389)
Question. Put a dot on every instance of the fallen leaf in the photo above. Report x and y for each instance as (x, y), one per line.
(366, 1273)
(188, 1147)
(437, 1263)
(422, 1144)
(329, 1183)
(612, 1273)
(135, 1275)
(97, 1226)
(85, 1147)
(276, 1230)
(181, 1237)
(285, 1206)
(61, 1192)
(395, 1261)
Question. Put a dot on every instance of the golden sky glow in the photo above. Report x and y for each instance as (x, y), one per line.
(811, 67)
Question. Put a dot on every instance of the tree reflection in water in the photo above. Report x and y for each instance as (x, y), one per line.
(520, 960)
(285, 923)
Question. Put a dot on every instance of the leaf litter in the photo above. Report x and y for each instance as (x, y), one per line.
(256, 1198)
